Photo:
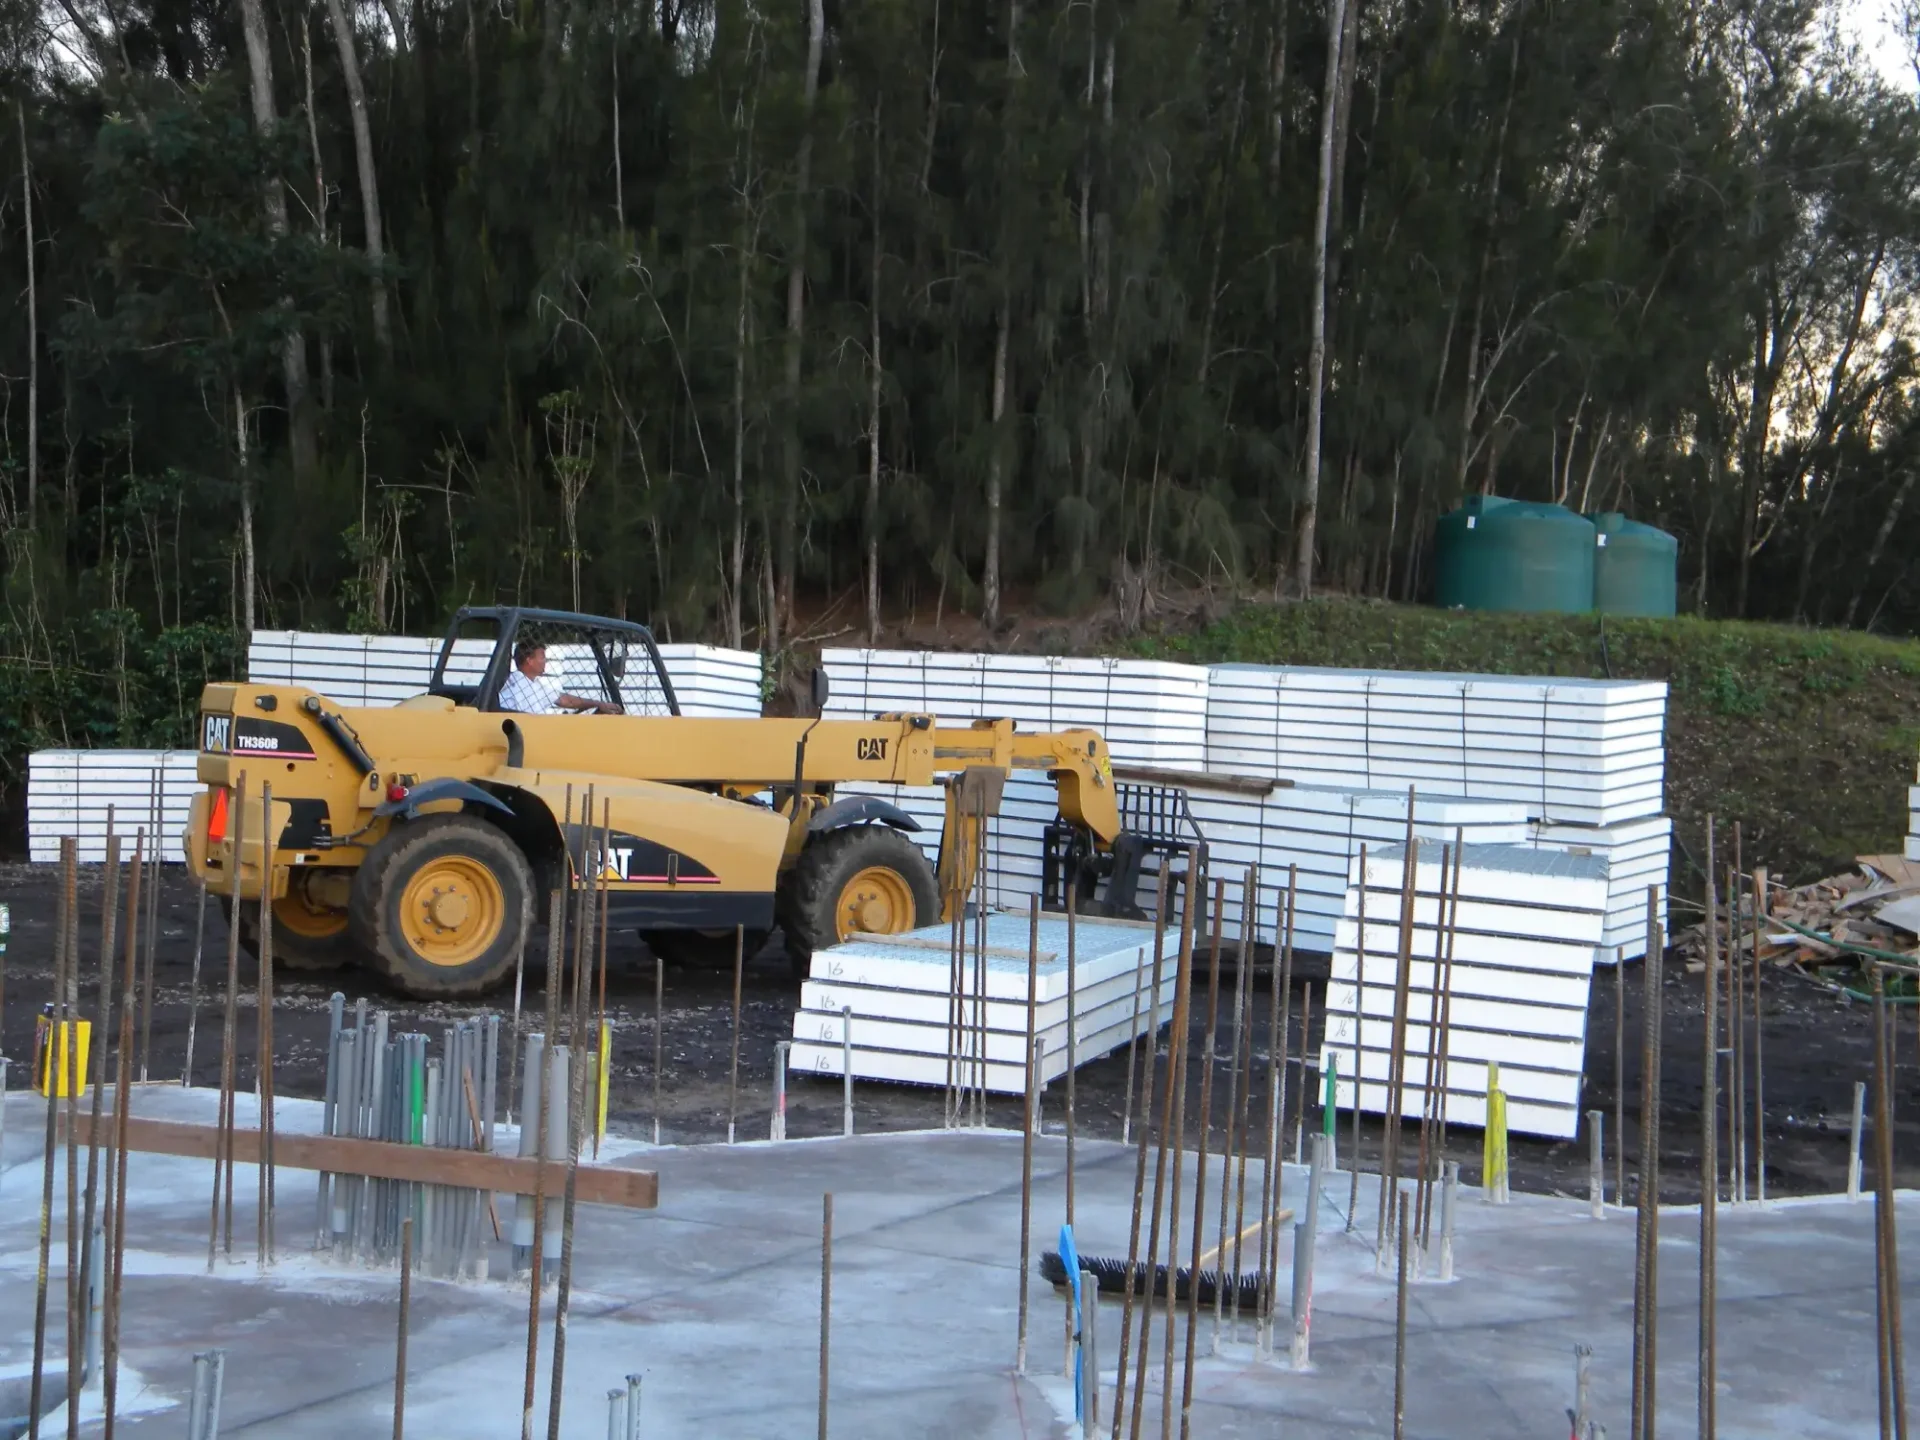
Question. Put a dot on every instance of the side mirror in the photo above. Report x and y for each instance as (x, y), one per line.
(818, 690)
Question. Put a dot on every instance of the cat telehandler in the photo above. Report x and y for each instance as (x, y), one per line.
(425, 839)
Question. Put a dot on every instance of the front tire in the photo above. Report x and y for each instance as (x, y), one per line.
(864, 880)
(308, 932)
(443, 906)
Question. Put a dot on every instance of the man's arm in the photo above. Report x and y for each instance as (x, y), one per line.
(580, 702)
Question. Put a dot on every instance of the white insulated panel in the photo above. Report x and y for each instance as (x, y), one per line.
(894, 984)
(1521, 965)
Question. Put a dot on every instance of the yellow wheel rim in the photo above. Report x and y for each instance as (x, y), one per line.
(876, 901)
(452, 910)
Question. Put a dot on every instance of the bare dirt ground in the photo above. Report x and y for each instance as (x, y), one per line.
(1816, 1046)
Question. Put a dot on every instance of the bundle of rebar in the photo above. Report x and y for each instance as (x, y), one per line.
(387, 1088)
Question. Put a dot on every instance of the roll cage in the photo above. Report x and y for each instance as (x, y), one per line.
(610, 641)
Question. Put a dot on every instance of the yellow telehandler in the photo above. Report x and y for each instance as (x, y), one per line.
(425, 839)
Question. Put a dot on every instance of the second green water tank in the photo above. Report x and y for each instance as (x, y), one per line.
(1495, 554)
(1635, 567)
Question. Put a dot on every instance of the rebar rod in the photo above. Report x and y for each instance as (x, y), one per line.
(1359, 1027)
(1759, 1041)
(69, 1086)
(601, 1030)
(1133, 1036)
(659, 1031)
(1026, 1130)
(152, 920)
(1140, 1158)
(1200, 1162)
(50, 1154)
(733, 1061)
(1888, 1253)
(1306, 1089)
(1242, 969)
(563, 1295)
(1736, 999)
(1709, 1164)
(1397, 1047)
(1450, 934)
(1400, 1332)
(400, 1341)
(109, 901)
(122, 1103)
(263, 1034)
(537, 1230)
(229, 1043)
(1280, 987)
(826, 1302)
(1179, 1107)
(1181, 991)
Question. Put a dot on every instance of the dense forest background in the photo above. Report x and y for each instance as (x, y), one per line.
(712, 312)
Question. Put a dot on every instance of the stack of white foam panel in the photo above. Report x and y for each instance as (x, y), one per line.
(1913, 820)
(1637, 853)
(359, 670)
(902, 994)
(1582, 752)
(1316, 833)
(1150, 712)
(1319, 830)
(70, 792)
(1523, 950)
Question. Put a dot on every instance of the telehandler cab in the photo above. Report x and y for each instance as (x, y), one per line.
(426, 838)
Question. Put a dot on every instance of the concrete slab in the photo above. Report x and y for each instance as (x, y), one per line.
(715, 1298)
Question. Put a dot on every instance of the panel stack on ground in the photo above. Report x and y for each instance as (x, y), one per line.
(1913, 819)
(1523, 950)
(69, 792)
(1585, 758)
(1320, 830)
(362, 670)
(1579, 752)
(1637, 853)
(1150, 712)
(908, 1028)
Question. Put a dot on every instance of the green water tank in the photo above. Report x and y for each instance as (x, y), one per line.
(1635, 567)
(1495, 554)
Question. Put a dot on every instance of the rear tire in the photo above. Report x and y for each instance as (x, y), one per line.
(443, 906)
(864, 880)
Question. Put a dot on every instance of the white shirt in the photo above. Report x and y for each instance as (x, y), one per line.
(531, 695)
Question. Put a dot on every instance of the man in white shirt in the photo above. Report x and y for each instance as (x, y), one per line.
(530, 692)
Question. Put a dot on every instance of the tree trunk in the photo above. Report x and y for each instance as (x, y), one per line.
(619, 171)
(1880, 538)
(293, 350)
(363, 161)
(1767, 351)
(33, 328)
(786, 554)
(245, 461)
(1317, 353)
(990, 571)
(990, 566)
(873, 433)
(737, 560)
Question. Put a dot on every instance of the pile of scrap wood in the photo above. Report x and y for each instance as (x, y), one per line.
(1873, 908)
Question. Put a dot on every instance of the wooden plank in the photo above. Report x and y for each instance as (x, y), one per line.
(386, 1160)
(1198, 779)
